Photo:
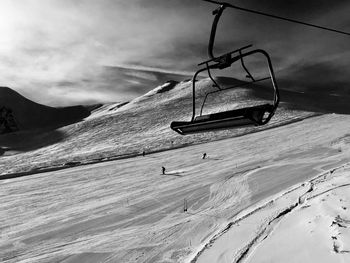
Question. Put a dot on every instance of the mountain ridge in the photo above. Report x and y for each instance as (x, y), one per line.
(143, 124)
(30, 115)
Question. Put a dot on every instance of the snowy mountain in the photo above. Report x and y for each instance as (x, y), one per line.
(29, 115)
(129, 128)
(242, 200)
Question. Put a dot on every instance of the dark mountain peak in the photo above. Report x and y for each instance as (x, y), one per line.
(20, 113)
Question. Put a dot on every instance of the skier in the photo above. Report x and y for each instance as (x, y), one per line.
(163, 170)
(204, 156)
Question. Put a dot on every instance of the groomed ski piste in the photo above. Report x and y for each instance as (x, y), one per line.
(278, 193)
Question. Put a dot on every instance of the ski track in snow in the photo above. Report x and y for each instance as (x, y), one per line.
(127, 211)
(243, 248)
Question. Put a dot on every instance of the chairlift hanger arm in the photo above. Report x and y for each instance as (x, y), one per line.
(217, 12)
(225, 4)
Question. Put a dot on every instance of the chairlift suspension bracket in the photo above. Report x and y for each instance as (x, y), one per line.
(256, 115)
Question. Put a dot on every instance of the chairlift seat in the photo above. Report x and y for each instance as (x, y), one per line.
(251, 116)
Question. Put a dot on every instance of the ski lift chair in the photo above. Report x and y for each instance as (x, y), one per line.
(249, 116)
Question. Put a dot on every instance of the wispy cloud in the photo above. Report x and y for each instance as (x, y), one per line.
(47, 43)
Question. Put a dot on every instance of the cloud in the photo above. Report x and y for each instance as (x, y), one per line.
(107, 84)
(49, 42)
(323, 77)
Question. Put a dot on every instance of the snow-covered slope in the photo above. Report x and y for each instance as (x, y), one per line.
(127, 211)
(140, 125)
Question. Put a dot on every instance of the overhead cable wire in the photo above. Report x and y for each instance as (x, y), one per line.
(277, 17)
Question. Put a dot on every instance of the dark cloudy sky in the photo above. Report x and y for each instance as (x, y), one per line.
(57, 52)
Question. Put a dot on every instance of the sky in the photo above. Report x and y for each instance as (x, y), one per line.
(66, 52)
